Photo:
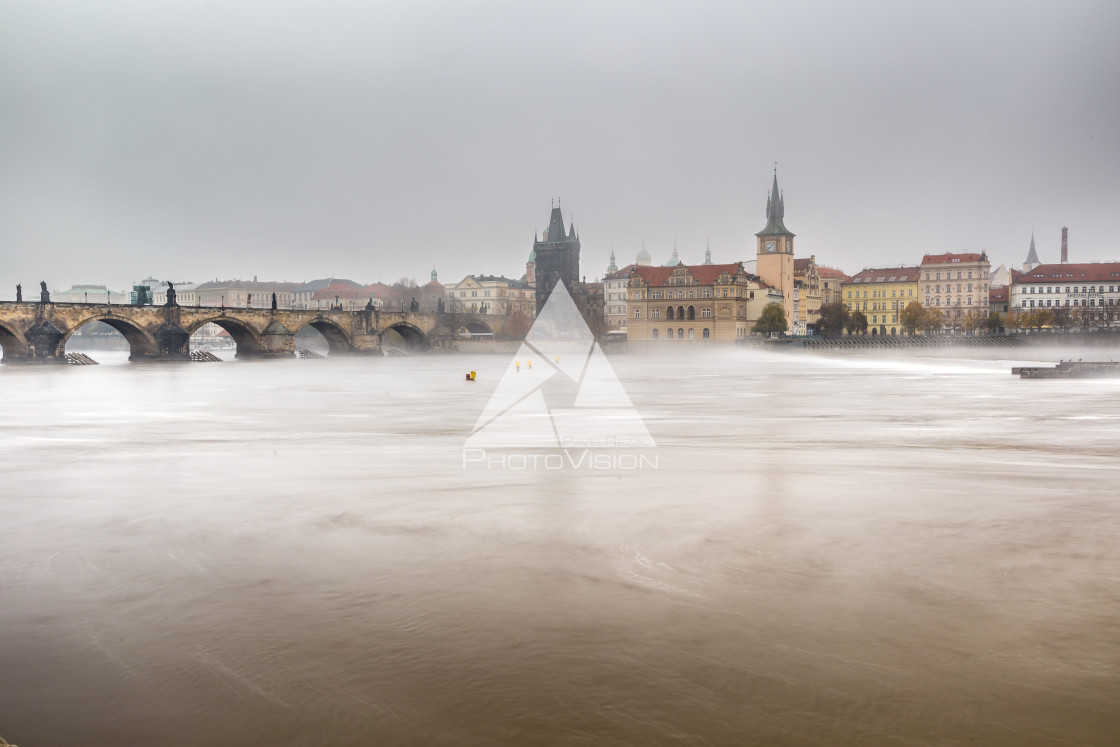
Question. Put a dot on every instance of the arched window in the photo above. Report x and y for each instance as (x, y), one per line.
(655, 334)
(691, 333)
(669, 333)
(680, 334)
(706, 333)
(669, 313)
(680, 312)
(691, 312)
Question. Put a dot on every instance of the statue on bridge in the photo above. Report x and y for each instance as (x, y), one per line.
(19, 293)
(171, 295)
(274, 302)
(369, 304)
(248, 300)
(44, 294)
(414, 306)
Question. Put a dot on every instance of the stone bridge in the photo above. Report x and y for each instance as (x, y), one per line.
(37, 332)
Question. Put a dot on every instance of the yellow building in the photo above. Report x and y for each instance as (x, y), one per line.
(831, 280)
(881, 293)
(693, 303)
(809, 306)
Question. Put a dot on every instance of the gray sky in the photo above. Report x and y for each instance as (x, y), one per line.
(293, 140)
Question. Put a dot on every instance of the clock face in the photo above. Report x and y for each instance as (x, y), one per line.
(769, 246)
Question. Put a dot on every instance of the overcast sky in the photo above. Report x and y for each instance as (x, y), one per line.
(293, 140)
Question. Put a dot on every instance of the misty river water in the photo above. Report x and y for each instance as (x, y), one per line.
(831, 550)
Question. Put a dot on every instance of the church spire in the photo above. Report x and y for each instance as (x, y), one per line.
(775, 212)
(1032, 256)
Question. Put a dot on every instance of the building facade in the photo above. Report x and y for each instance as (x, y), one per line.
(955, 284)
(880, 294)
(87, 294)
(615, 295)
(697, 304)
(491, 294)
(810, 295)
(240, 294)
(1092, 290)
(831, 282)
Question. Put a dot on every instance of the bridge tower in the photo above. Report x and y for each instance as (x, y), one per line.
(557, 258)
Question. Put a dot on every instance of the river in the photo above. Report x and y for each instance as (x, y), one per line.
(826, 550)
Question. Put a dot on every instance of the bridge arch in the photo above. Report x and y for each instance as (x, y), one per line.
(338, 341)
(140, 343)
(476, 327)
(248, 340)
(411, 335)
(13, 343)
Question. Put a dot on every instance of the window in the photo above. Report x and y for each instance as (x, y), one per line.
(691, 312)
(668, 312)
(637, 313)
(655, 313)
(705, 333)
(691, 333)
(654, 334)
(669, 333)
(706, 312)
(680, 334)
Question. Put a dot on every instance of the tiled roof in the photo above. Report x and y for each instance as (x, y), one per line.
(886, 275)
(342, 290)
(1082, 272)
(996, 295)
(801, 265)
(831, 272)
(703, 274)
(944, 259)
(321, 283)
(246, 285)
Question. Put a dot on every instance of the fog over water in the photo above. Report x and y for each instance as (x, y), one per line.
(833, 550)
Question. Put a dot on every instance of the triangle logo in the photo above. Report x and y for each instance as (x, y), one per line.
(559, 391)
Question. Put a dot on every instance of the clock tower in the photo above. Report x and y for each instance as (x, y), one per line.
(775, 251)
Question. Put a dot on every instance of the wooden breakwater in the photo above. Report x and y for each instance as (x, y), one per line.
(891, 342)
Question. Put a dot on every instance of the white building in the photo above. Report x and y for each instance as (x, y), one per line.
(1090, 285)
(491, 294)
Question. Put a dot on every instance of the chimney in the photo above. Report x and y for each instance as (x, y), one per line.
(1065, 245)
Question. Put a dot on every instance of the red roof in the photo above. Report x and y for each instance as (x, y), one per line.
(831, 272)
(801, 265)
(703, 274)
(1082, 272)
(887, 275)
(945, 259)
(997, 295)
